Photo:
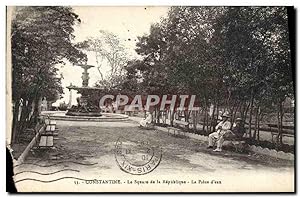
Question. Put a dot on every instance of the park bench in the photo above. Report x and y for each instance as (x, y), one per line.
(238, 143)
(178, 123)
(50, 128)
(47, 137)
(46, 141)
(274, 131)
(149, 126)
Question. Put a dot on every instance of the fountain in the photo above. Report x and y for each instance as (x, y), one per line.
(86, 109)
(85, 106)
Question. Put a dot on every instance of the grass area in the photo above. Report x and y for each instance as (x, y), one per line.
(24, 139)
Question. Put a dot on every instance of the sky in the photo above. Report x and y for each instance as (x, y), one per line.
(126, 22)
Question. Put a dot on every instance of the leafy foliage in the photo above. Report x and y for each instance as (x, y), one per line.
(237, 58)
(107, 49)
(41, 38)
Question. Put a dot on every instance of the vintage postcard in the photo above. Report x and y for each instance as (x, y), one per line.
(150, 99)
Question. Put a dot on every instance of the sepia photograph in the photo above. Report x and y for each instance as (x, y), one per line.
(140, 99)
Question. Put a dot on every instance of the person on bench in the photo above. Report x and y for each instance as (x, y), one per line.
(222, 128)
(238, 130)
(146, 121)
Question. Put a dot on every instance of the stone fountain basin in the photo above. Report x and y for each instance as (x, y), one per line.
(88, 114)
(105, 117)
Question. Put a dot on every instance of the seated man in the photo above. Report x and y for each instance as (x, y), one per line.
(238, 129)
(222, 128)
(146, 121)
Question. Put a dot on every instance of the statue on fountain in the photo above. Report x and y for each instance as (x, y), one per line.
(85, 106)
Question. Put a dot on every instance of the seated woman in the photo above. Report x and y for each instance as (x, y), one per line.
(146, 121)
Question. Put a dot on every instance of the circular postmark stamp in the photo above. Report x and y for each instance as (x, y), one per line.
(137, 158)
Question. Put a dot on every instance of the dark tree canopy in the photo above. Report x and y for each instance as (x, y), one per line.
(41, 38)
(232, 57)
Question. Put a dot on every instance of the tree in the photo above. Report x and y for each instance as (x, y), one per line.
(257, 54)
(107, 49)
(236, 58)
(41, 38)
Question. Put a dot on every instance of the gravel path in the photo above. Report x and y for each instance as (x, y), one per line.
(86, 150)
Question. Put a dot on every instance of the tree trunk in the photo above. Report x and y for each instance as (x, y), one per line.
(278, 126)
(235, 111)
(245, 113)
(15, 122)
(155, 115)
(158, 116)
(165, 113)
(250, 114)
(36, 112)
(195, 113)
(217, 116)
(23, 123)
(256, 122)
(212, 120)
(280, 120)
(231, 109)
(172, 117)
(187, 115)
(204, 119)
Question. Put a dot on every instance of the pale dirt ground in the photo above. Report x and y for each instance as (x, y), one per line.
(94, 143)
